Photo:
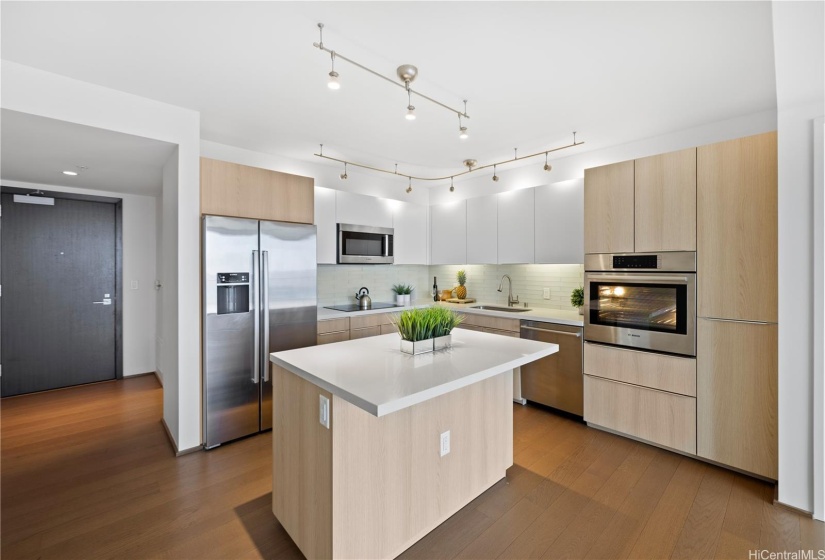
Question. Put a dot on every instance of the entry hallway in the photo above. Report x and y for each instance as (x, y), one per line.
(88, 472)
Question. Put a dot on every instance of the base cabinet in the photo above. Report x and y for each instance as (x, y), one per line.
(737, 395)
(662, 418)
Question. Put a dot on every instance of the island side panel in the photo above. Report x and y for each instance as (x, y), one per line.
(390, 484)
(301, 464)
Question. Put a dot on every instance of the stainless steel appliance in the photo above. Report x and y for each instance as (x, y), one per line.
(259, 296)
(364, 244)
(641, 300)
(555, 380)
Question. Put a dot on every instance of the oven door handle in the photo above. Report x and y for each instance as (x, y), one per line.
(648, 278)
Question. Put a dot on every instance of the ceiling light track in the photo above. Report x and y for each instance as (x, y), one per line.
(469, 163)
(406, 72)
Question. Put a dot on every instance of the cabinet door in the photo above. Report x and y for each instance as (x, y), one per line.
(229, 189)
(666, 202)
(482, 230)
(362, 210)
(559, 219)
(608, 208)
(365, 332)
(448, 233)
(410, 225)
(516, 229)
(737, 242)
(326, 247)
(736, 395)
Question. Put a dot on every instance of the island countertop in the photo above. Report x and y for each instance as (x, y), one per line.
(374, 375)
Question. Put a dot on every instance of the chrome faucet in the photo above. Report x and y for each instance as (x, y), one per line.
(510, 301)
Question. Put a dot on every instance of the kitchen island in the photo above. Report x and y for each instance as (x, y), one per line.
(361, 468)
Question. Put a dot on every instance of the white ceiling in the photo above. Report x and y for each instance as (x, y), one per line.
(532, 71)
(37, 150)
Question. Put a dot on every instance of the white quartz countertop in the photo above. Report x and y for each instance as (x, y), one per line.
(373, 374)
(546, 315)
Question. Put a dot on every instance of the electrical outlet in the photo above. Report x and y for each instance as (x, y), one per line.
(323, 411)
(546, 293)
(133, 284)
(445, 443)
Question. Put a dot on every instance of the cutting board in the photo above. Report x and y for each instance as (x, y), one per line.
(456, 300)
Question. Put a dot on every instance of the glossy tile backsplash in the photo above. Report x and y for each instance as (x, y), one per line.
(338, 283)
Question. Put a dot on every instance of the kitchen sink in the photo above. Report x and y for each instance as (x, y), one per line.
(505, 309)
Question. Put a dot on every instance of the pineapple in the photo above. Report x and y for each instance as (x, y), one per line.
(461, 291)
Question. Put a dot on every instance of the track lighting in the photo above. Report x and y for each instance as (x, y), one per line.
(406, 74)
(344, 175)
(462, 130)
(471, 164)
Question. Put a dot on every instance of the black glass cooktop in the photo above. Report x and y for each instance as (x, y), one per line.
(355, 307)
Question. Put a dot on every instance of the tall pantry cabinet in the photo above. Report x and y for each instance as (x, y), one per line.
(737, 299)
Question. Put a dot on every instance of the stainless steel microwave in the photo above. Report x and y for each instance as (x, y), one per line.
(364, 244)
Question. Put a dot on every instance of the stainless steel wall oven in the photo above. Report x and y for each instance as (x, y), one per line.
(642, 300)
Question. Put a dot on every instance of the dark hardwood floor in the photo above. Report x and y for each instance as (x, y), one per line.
(88, 473)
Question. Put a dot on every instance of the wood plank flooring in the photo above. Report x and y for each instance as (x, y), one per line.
(88, 473)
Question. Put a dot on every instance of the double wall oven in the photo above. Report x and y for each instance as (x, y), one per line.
(641, 300)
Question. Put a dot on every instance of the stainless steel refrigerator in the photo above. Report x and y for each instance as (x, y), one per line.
(259, 296)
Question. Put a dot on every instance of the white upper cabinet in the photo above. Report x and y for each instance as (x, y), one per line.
(560, 223)
(410, 240)
(325, 223)
(516, 226)
(482, 230)
(448, 233)
(363, 210)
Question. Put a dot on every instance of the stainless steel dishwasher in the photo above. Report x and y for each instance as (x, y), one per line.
(557, 379)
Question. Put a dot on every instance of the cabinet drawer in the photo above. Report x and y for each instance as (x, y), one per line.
(365, 332)
(388, 329)
(501, 332)
(373, 320)
(326, 338)
(333, 325)
(661, 418)
(469, 327)
(498, 323)
(656, 371)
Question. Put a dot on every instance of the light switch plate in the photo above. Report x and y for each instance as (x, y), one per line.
(323, 411)
(445, 443)
(546, 293)
(133, 284)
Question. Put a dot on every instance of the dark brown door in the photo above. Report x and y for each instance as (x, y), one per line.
(57, 262)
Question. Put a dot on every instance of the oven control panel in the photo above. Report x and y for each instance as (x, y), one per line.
(636, 261)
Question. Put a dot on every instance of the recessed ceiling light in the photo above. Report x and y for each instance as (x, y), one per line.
(70, 173)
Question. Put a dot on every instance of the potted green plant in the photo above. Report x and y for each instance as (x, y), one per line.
(408, 290)
(419, 327)
(398, 290)
(577, 299)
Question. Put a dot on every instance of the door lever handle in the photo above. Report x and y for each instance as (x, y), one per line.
(106, 301)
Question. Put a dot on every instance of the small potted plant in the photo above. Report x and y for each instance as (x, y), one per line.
(408, 290)
(398, 290)
(419, 327)
(446, 321)
(577, 299)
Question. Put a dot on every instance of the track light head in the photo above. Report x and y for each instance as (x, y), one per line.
(410, 116)
(462, 133)
(344, 175)
(547, 167)
(495, 177)
(333, 82)
(452, 188)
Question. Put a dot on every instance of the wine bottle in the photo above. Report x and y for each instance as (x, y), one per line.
(435, 289)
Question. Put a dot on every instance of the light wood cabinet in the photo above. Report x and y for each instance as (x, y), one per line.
(327, 338)
(737, 240)
(351, 328)
(516, 229)
(448, 233)
(609, 208)
(362, 210)
(230, 189)
(326, 247)
(332, 330)
(482, 230)
(665, 202)
(639, 412)
(364, 332)
(409, 222)
(737, 395)
(559, 219)
(656, 371)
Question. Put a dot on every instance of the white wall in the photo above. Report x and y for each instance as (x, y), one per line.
(139, 259)
(36, 92)
(799, 35)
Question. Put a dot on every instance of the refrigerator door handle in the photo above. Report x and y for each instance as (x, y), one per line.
(265, 310)
(256, 301)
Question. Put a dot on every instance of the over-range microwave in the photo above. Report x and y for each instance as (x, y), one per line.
(364, 244)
